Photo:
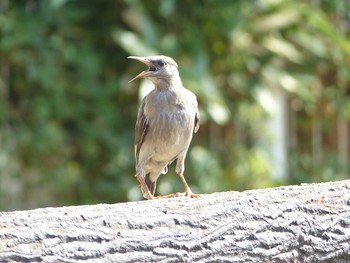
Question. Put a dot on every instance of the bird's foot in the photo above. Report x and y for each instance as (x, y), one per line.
(187, 194)
(149, 196)
(193, 195)
(190, 194)
(168, 196)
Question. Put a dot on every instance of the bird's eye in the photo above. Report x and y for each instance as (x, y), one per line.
(160, 63)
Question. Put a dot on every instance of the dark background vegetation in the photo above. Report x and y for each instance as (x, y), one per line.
(67, 112)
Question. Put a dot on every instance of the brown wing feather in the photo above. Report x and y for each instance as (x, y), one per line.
(141, 130)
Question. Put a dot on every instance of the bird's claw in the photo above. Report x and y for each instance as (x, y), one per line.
(190, 194)
(187, 194)
(168, 196)
(193, 195)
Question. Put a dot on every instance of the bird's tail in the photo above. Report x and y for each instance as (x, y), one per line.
(150, 184)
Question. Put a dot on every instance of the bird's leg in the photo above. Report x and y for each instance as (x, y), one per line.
(147, 194)
(188, 191)
(180, 168)
(144, 187)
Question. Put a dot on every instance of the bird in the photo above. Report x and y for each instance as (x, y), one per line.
(167, 118)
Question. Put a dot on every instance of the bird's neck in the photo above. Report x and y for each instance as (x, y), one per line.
(168, 83)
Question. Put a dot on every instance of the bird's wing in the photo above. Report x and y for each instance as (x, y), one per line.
(141, 130)
(196, 121)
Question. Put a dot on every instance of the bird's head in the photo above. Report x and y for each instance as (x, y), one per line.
(160, 68)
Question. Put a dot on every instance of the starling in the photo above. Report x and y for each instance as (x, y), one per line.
(166, 120)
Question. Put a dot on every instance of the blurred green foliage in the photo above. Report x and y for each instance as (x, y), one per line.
(67, 113)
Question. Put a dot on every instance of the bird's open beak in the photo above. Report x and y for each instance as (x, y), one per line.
(147, 73)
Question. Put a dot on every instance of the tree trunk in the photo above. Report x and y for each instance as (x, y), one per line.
(307, 223)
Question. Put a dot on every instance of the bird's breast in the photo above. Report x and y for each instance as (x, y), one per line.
(173, 124)
(171, 115)
(176, 117)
